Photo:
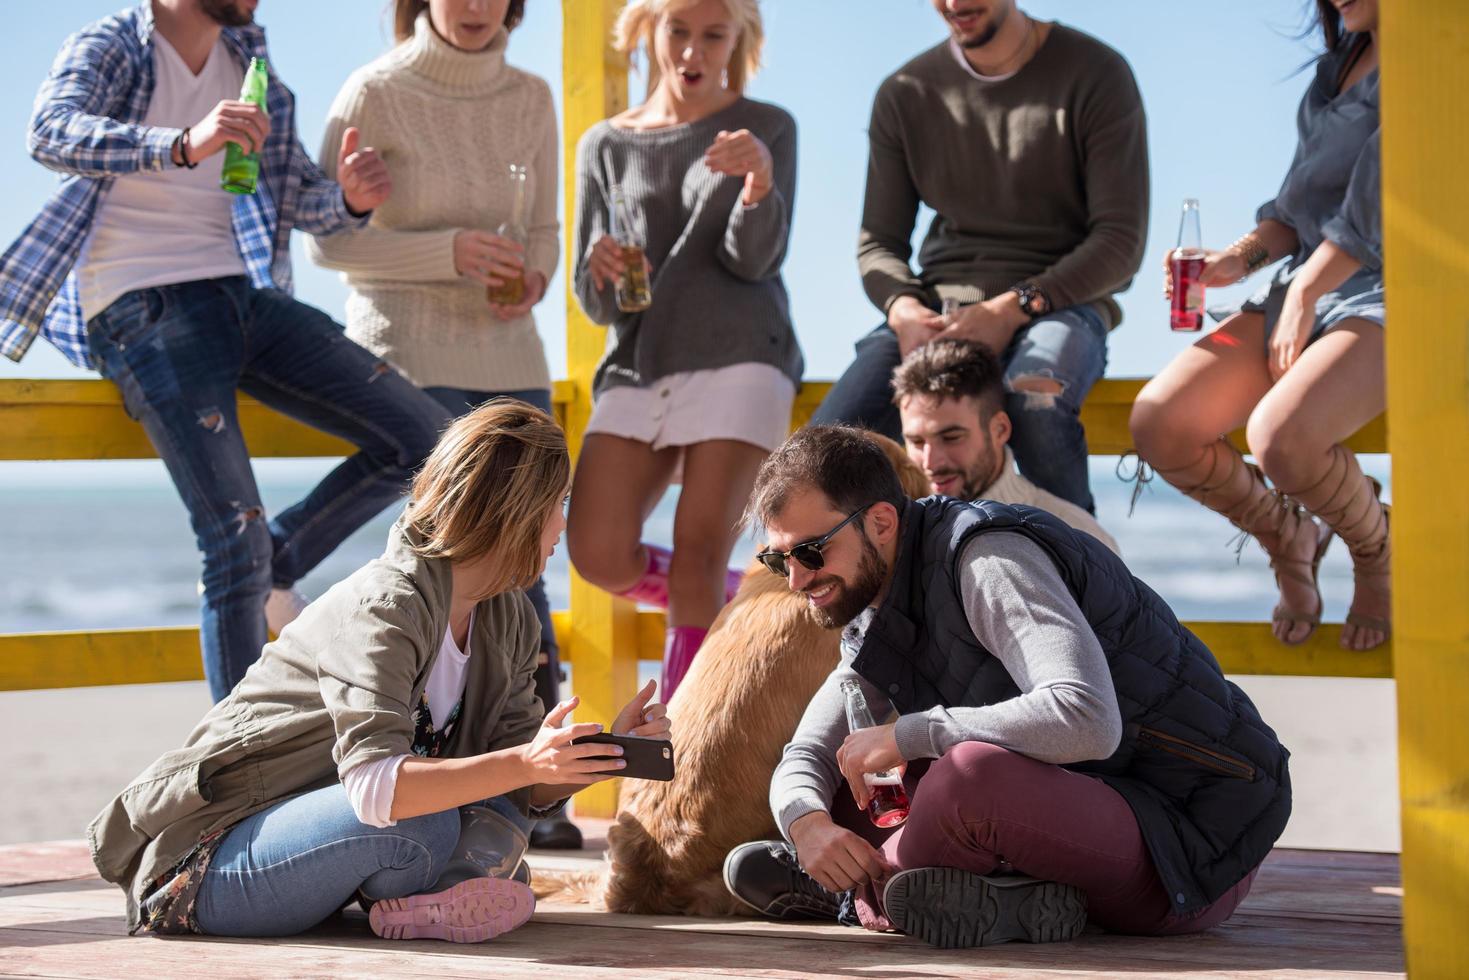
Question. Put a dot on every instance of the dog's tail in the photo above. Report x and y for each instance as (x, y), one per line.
(571, 887)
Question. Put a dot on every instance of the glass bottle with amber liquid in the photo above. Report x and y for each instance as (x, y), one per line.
(511, 292)
(887, 804)
(634, 294)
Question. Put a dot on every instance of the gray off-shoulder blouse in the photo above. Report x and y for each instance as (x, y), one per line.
(1332, 192)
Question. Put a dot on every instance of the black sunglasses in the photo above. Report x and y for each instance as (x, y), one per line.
(808, 553)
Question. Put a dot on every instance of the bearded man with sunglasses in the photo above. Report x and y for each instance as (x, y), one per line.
(1072, 752)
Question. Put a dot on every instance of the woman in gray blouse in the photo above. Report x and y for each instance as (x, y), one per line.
(1300, 364)
(698, 387)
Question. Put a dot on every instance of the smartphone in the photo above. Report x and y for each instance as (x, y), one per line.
(646, 758)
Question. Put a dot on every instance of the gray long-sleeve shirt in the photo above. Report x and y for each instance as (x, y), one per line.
(718, 296)
(1021, 611)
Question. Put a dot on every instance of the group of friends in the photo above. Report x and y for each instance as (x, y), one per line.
(1072, 752)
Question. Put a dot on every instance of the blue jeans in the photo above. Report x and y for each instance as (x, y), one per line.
(178, 353)
(459, 401)
(1068, 346)
(289, 867)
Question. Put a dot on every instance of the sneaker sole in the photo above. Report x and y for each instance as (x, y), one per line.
(470, 912)
(951, 909)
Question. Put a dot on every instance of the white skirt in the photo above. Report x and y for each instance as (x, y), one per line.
(746, 402)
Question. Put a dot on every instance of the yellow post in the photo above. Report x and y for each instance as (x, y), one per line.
(604, 631)
(1425, 211)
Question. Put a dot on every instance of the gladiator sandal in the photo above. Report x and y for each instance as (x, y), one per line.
(1221, 480)
(1347, 501)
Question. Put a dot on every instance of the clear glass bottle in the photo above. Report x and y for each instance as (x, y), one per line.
(1186, 264)
(511, 292)
(634, 294)
(888, 804)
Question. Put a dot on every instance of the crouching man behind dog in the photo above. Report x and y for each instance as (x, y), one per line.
(1071, 750)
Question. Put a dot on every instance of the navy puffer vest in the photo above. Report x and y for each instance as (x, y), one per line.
(1206, 777)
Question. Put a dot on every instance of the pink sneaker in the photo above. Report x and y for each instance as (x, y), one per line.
(470, 912)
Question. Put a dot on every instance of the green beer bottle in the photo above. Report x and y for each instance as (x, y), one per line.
(242, 169)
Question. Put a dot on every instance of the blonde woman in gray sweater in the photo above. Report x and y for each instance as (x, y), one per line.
(453, 116)
(698, 386)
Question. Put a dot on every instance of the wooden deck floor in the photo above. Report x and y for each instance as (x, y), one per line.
(1311, 914)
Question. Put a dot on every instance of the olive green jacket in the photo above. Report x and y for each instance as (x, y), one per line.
(337, 689)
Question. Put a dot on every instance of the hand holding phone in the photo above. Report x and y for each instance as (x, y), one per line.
(646, 758)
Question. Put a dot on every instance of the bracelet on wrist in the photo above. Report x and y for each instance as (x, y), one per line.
(1252, 251)
(182, 142)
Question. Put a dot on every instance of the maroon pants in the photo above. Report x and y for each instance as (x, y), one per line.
(984, 809)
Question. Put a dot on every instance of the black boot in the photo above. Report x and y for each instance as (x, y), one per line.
(950, 908)
(766, 876)
(555, 834)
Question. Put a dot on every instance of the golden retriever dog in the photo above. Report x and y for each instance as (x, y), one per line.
(733, 714)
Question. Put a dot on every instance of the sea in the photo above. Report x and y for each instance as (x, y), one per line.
(106, 544)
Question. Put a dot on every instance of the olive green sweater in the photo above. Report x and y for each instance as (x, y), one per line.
(1042, 176)
(337, 689)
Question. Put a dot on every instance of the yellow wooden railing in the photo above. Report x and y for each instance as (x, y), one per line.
(1425, 216)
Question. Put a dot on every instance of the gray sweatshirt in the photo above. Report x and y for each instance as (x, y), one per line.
(718, 297)
(1021, 611)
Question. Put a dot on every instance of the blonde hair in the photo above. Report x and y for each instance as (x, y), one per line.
(488, 487)
(634, 29)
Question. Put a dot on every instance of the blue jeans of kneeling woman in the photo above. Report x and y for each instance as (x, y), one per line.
(287, 868)
(1068, 346)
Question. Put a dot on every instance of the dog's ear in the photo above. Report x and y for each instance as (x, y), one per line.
(915, 484)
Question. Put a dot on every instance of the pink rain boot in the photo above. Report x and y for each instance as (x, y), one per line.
(732, 579)
(652, 588)
(679, 646)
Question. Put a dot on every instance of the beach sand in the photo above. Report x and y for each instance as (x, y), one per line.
(72, 750)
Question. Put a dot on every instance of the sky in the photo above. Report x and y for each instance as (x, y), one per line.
(1220, 83)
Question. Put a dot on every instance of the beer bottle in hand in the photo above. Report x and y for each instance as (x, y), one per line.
(511, 292)
(242, 169)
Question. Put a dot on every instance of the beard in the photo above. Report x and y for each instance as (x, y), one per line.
(977, 479)
(851, 597)
(987, 32)
(226, 13)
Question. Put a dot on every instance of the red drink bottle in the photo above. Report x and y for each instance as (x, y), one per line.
(1186, 264)
(888, 803)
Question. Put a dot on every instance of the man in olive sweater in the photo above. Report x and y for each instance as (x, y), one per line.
(1029, 141)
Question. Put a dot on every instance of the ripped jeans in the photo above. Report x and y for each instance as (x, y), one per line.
(178, 354)
(1068, 346)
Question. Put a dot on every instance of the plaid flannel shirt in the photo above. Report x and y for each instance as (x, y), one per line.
(86, 125)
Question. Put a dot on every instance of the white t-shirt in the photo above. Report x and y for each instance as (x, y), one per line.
(173, 225)
(370, 786)
(957, 50)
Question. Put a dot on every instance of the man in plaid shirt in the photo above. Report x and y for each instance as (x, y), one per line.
(142, 267)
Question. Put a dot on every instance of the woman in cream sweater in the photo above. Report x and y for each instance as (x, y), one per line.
(451, 117)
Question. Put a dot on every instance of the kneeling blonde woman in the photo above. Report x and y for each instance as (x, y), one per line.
(389, 746)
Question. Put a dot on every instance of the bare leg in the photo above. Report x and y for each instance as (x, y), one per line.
(1337, 386)
(717, 478)
(1207, 391)
(617, 484)
(1177, 422)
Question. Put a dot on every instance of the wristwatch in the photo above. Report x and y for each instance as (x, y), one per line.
(1033, 300)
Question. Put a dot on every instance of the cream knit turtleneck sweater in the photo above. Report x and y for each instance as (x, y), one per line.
(1012, 488)
(448, 123)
